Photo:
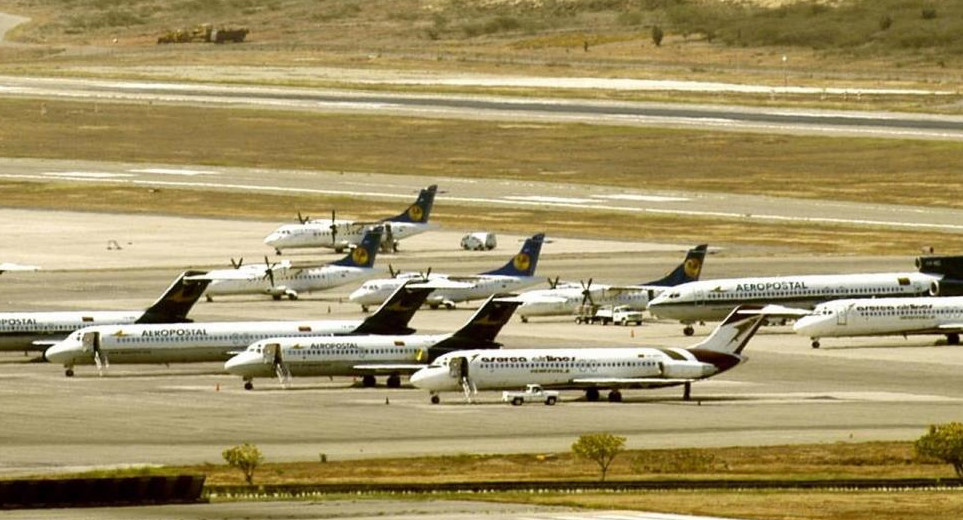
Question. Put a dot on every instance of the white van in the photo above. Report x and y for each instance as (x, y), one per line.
(479, 241)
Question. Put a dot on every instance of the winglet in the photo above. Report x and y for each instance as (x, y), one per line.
(523, 264)
(177, 300)
(419, 211)
(364, 254)
(688, 271)
(395, 313)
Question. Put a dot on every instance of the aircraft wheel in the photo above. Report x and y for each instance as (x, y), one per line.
(368, 381)
(592, 395)
(524, 319)
(435, 399)
(688, 330)
(69, 372)
(208, 298)
(364, 308)
(952, 339)
(615, 396)
(277, 252)
(433, 306)
(815, 343)
(394, 381)
(276, 297)
(292, 297)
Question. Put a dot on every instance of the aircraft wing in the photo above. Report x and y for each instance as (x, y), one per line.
(47, 343)
(951, 327)
(617, 381)
(545, 299)
(234, 274)
(779, 311)
(441, 283)
(391, 368)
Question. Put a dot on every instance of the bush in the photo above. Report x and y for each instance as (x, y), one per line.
(657, 35)
(601, 448)
(944, 442)
(676, 461)
(245, 457)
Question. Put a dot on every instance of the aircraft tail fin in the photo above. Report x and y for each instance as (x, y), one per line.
(688, 271)
(393, 316)
(177, 300)
(483, 327)
(523, 264)
(418, 212)
(364, 254)
(731, 336)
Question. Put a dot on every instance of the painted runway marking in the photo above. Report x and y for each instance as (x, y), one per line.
(89, 175)
(549, 200)
(616, 515)
(168, 171)
(642, 198)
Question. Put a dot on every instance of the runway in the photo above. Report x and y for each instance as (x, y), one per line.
(704, 117)
(861, 390)
(494, 194)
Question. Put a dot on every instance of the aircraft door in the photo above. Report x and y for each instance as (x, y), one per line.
(455, 367)
(842, 317)
(700, 298)
(90, 342)
(271, 352)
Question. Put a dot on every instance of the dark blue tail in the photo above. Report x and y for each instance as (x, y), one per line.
(418, 212)
(523, 264)
(688, 271)
(364, 254)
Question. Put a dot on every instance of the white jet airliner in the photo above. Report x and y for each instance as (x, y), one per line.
(290, 280)
(342, 234)
(39, 330)
(593, 369)
(517, 273)
(367, 356)
(216, 341)
(710, 300)
(884, 317)
(566, 299)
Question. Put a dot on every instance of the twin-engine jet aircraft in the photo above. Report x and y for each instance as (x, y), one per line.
(594, 369)
(884, 317)
(368, 356)
(39, 330)
(341, 234)
(517, 273)
(710, 300)
(291, 280)
(566, 299)
(189, 343)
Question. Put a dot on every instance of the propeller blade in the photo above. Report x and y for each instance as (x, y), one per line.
(237, 263)
(302, 219)
(269, 270)
(392, 272)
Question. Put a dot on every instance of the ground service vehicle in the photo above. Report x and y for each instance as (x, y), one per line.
(531, 393)
(479, 241)
(620, 315)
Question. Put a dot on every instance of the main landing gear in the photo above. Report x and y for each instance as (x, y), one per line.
(688, 330)
(248, 384)
(394, 381)
(592, 395)
(615, 396)
(953, 339)
(815, 343)
(368, 381)
(69, 371)
(435, 399)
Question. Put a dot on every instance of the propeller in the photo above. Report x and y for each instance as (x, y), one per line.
(334, 230)
(237, 263)
(553, 283)
(269, 270)
(392, 272)
(303, 219)
(587, 293)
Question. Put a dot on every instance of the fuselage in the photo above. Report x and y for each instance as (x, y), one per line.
(287, 279)
(476, 287)
(18, 330)
(182, 343)
(570, 368)
(317, 233)
(327, 356)
(709, 300)
(883, 316)
(566, 300)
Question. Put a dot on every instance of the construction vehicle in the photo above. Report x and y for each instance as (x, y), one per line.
(204, 33)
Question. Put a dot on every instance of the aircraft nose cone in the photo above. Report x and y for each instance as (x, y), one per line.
(59, 353)
(240, 364)
(420, 378)
(357, 294)
(806, 325)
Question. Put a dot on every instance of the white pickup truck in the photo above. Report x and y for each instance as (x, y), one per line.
(621, 315)
(531, 393)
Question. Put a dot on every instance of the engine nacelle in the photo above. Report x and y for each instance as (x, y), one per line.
(946, 288)
(949, 266)
(686, 369)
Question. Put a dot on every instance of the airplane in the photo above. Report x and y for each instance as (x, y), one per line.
(594, 369)
(517, 273)
(342, 234)
(884, 317)
(710, 300)
(39, 330)
(566, 299)
(289, 280)
(368, 356)
(6, 266)
(217, 341)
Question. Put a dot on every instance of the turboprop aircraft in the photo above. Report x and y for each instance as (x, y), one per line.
(39, 330)
(594, 369)
(342, 234)
(517, 273)
(217, 341)
(367, 356)
(6, 266)
(289, 280)
(566, 299)
(884, 317)
(709, 300)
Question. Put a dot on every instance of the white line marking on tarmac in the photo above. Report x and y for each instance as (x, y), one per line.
(642, 198)
(168, 171)
(550, 200)
(88, 175)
